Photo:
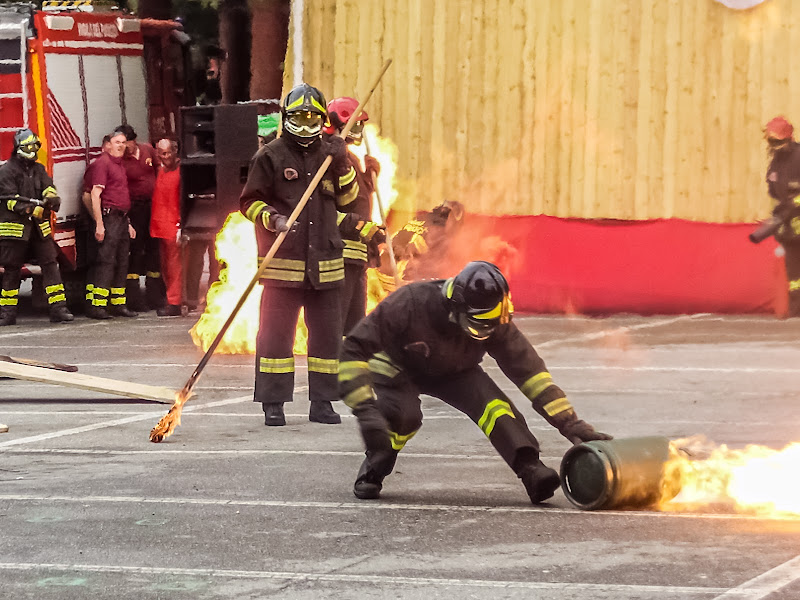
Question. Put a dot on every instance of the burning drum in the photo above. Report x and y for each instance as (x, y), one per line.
(619, 473)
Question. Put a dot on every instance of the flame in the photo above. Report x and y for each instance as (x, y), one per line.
(237, 250)
(172, 419)
(755, 480)
(385, 150)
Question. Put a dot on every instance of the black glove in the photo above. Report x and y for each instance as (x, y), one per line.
(371, 165)
(578, 431)
(275, 222)
(372, 232)
(379, 237)
(24, 207)
(52, 203)
(337, 148)
(374, 427)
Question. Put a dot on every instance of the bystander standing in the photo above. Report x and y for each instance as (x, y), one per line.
(165, 224)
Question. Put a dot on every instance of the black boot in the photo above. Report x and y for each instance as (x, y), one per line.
(540, 481)
(170, 310)
(123, 311)
(60, 314)
(98, 312)
(133, 292)
(368, 484)
(273, 414)
(8, 316)
(322, 412)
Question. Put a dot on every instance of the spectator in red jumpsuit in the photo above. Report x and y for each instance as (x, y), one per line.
(165, 224)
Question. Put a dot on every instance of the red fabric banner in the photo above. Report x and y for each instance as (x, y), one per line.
(663, 266)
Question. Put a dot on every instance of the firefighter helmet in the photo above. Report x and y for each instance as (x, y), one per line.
(304, 113)
(778, 134)
(479, 299)
(26, 144)
(339, 112)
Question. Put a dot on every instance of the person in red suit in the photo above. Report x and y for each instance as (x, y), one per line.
(165, 224)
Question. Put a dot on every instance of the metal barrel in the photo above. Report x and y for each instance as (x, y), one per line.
(618, 473)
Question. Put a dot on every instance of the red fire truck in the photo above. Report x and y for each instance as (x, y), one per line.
(72, 72)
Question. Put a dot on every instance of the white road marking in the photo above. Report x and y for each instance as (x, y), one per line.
(349, 506)
(392, 582)
(767, 583)
(621, 329)
(115, 422)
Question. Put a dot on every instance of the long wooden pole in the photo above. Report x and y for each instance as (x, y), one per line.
(390, 249)
(168, 423)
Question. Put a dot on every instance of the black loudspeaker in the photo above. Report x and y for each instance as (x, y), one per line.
(217, 144)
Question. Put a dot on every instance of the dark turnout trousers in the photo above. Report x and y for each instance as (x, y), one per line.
(107, 280)
(12, 258)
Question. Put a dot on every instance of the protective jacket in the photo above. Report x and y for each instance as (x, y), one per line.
(356, 228)
(783, 183)
(22, 180)
(311, 253)
(411, 332)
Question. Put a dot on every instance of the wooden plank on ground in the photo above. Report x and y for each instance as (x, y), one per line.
(87, 382)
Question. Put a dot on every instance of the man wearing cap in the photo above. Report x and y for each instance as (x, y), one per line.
(783, 183)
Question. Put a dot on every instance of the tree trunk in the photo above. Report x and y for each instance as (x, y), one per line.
(270, 31)
(234, 38)
(155, 9)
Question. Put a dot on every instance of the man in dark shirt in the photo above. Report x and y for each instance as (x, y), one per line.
(430, 337)
(110, 205)
(141, 166)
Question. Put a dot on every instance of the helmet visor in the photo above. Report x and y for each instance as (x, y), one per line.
(475, 328)
(29, 150)
(304, 124)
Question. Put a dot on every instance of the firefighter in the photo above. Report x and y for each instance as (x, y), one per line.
(429, 337)
(783, 183)
(421, 246)
(362, 238)
(308, 269)
(27, 199)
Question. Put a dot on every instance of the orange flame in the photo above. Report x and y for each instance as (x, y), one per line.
(756, 480)
(172, 419)
(385, 150)
(237, 251)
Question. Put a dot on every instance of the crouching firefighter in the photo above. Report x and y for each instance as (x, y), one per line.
(27, 199)
(429, 337)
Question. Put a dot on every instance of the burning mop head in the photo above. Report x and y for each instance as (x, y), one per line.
(172, 419)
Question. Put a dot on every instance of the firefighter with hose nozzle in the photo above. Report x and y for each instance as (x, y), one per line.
(429, 337)
(783, 183)
(362, 238)
(308, 269)
(27, 199)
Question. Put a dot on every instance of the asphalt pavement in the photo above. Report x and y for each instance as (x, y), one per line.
(228, 508)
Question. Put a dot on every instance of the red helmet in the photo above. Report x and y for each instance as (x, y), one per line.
(339, 112)
(779, 128)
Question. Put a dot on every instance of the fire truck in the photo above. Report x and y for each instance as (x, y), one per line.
(72, 72)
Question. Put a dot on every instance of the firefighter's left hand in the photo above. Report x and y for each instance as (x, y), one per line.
(580, 431)
(131, 231)
(337, 148)
(53, 203)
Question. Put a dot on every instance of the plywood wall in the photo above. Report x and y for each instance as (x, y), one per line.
(624, 109)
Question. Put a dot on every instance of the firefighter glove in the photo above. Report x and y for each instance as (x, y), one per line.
(275, 222)
(371, 165)
(52, 203)
(374, 427)
(372, 232)
(337, 148)
(23, 207)
(578, 431)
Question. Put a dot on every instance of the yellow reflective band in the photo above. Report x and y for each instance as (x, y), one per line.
(491, 314)
(9, 301)
(133, 276)
(347, 197)
(118, 291)
(383, 365)
(557, 406)
(116, 301)
(285, 263)
(276, 365)
(153, 274)
(350, 369)
(347, 177)
(9, 293)
(353, 254)
(296, 103)
(329, 366)
(330, 265)
(318, 105)
(794, 285)
(100, 291)
(255, 209)
(536, 385)
(282, 275)
(340, 217)
(358, 395)
(45, 227)
(51, 289)
(49, 191)
(493, 411)
(331, 276)
(56, 298)
(419, 243)
(11, 204)
(101, 302)
(398, 441)
(355, 244)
